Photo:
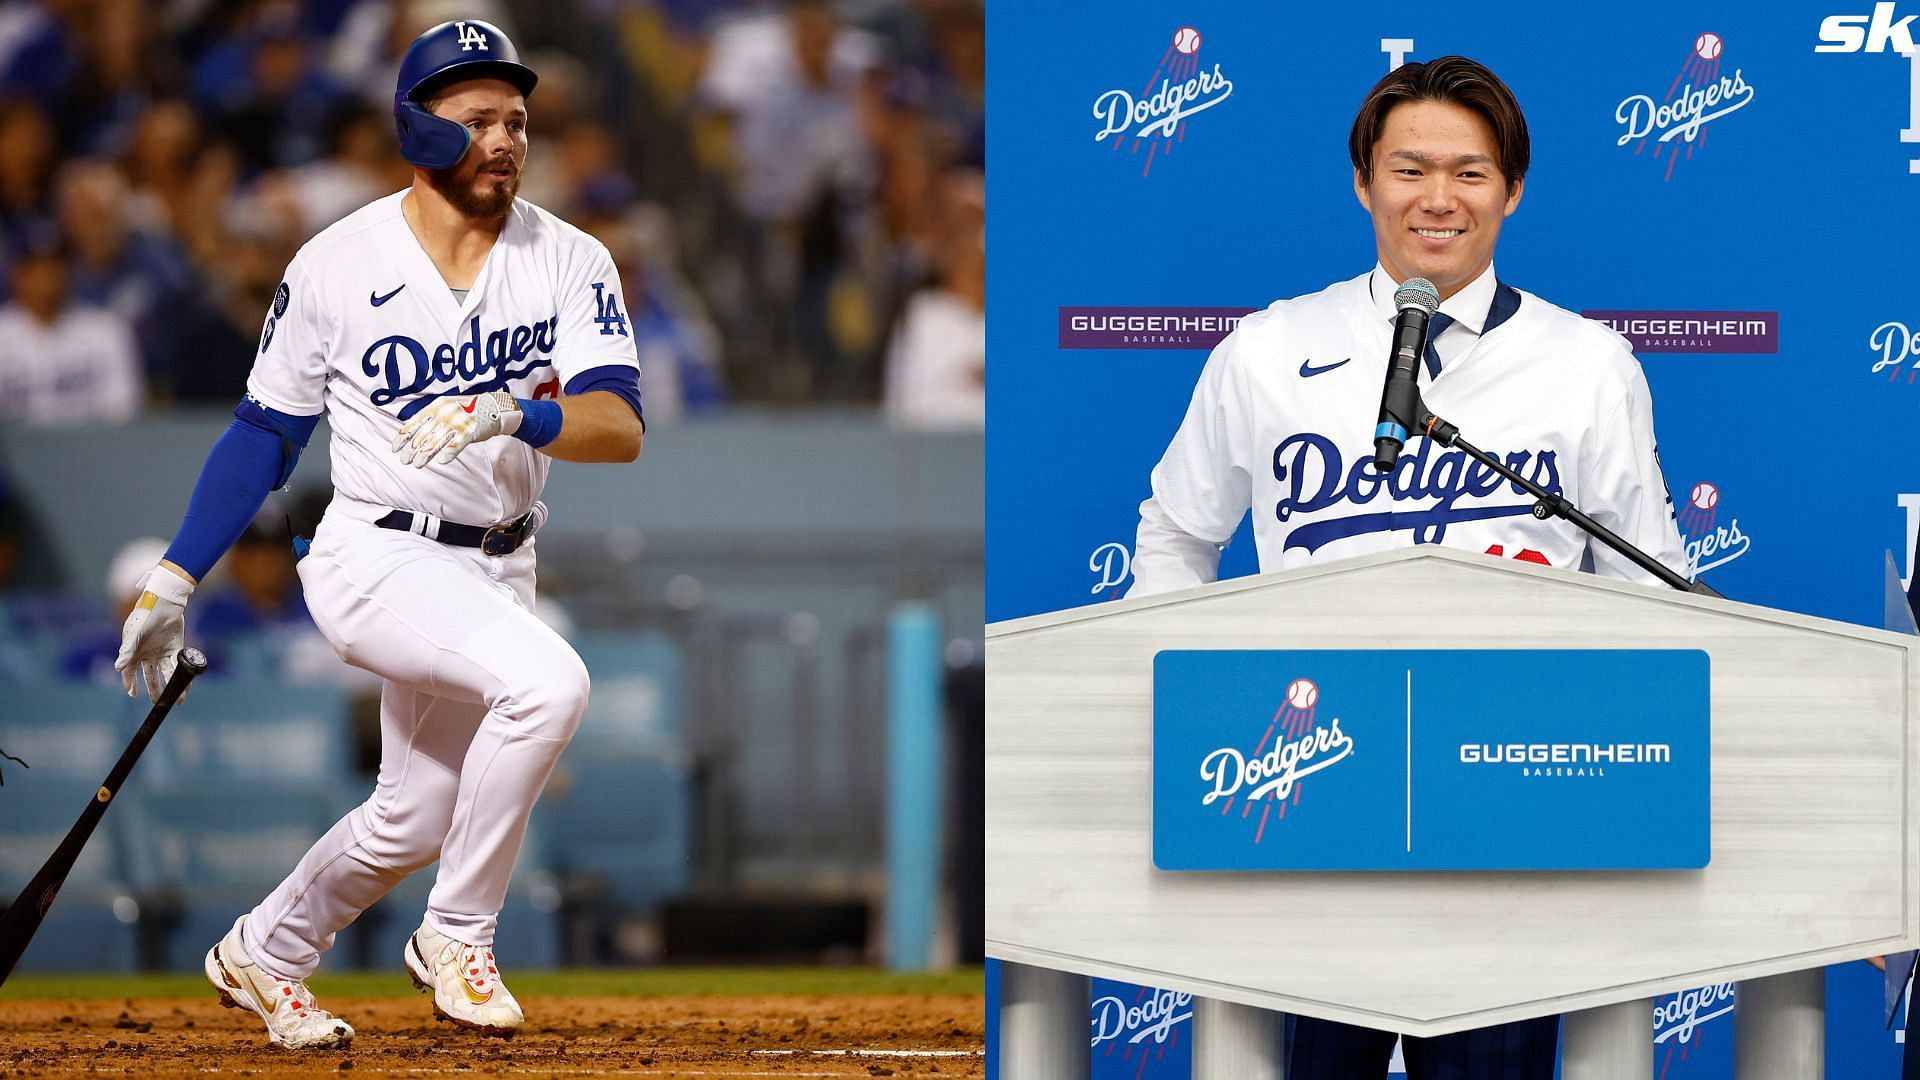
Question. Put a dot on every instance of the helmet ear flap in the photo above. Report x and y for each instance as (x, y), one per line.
(426, 140)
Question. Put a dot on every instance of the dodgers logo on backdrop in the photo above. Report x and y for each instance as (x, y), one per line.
(1893, 343)
(1712, 539)
(1157, 117)
(1154, 1017)
(1112, 562)
(1294, 747)
(1680, 1021)
(1698, 96)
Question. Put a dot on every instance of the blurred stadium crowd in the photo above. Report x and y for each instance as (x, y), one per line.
(793, 191)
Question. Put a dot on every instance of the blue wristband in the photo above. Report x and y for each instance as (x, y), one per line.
(539, 421)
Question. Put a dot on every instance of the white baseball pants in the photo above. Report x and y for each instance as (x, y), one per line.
(480, 698)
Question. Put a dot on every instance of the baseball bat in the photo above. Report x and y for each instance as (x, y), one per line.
(29, 909)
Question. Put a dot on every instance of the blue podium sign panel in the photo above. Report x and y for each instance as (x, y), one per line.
(1395, 759)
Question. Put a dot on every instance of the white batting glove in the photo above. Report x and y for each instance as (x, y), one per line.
(155, 631)
(440, 431)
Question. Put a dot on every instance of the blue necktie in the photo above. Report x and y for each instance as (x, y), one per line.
(1435, 327)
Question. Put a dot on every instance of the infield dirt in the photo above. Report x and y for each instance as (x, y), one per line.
(904, 1035)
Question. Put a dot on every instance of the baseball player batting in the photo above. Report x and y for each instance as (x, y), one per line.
(458, 340)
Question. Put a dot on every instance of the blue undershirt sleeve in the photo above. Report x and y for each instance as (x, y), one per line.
(254, 456)
(616, 379)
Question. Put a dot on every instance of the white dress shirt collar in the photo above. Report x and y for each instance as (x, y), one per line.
(1468, 308)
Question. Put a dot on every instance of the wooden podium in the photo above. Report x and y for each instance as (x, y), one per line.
(1813, 841)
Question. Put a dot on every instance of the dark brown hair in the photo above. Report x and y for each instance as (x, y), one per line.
(1454, 80)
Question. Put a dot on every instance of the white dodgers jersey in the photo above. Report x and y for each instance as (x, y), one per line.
(365, 328)
(1282, 422)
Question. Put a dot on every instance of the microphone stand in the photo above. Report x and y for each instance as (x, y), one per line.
(1549, 505)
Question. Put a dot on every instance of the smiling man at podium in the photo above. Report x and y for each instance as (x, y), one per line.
(1284, 418)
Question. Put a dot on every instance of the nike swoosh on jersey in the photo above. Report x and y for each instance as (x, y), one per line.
(378, 299)
(1308, 371)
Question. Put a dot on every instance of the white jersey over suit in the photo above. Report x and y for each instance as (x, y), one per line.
(1282, 423)
(480, 696)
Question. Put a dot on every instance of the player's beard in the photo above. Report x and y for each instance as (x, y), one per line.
(475, 192)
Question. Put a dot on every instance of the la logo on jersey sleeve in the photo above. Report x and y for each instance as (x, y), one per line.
(606, 304)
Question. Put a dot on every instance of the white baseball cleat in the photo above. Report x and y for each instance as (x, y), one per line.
(466, 985)
(293, 1020)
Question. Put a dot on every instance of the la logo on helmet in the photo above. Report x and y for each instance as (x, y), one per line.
(471, 37)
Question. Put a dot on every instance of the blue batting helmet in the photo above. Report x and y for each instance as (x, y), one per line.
(452, 51)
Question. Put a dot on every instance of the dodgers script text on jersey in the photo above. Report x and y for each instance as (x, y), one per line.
(1559, 398)
(537, 316)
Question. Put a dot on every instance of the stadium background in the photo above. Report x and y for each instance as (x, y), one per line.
(1788, 204)
(793, 192)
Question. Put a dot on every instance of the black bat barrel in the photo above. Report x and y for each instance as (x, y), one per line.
(29, 909)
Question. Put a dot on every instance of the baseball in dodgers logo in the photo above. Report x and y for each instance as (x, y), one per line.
(1676, 123)
(1181, 86)
(1712, 539)
(1294, 747)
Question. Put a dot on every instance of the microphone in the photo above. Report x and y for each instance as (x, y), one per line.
(1417, 300)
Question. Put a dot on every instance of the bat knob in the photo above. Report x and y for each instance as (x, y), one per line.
(193, 660)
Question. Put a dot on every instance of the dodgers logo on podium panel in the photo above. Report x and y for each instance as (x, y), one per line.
(1399, 759)
(1155, 119)
(1294, 746)
(1675, 124)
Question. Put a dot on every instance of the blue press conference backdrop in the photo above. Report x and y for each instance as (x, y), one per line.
(1791, 205)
